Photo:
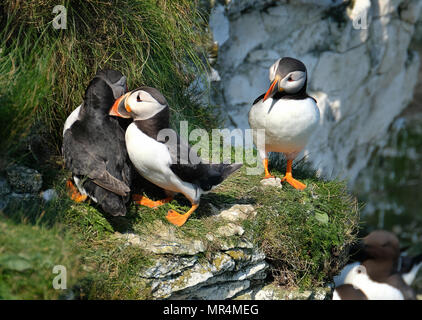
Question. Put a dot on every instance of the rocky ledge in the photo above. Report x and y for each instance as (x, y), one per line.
(220, 267)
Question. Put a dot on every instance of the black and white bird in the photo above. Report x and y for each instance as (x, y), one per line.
(379, 255)
(287, 113)
(94, 148)
(359, 286)
(161, 156)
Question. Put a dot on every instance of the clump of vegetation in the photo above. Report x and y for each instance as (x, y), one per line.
(305, 234)
(44, 71)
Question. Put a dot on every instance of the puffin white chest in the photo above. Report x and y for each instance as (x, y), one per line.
(150, 158)
(288, 124)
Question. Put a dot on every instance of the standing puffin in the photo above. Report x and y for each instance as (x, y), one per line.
(163, 162)
(287, 114)
(94, 147)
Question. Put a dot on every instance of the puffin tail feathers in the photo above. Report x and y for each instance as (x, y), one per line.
(217, 173)
(228, 169)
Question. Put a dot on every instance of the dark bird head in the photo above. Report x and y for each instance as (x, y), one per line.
(115, 79)
(381, 245)
(98, 96)
(287, 75)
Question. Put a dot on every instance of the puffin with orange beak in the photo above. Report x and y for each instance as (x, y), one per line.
(287, 113)
(161, 156)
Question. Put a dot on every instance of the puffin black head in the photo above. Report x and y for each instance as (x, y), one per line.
(115, 79)
(287, 75)
(140, 104)
(99, 96)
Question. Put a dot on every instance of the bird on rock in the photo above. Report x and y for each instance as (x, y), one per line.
(287, 113)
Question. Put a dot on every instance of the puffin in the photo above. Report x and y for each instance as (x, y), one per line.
(160, 155)
(359, 286)
(287, 113)
(117, 82)
(379, 254)
(94, 148)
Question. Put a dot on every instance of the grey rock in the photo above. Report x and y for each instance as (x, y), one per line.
(230, 229)
(4, 187)
(168, 267)
(272, 182)
(237, 212)
(163, 239)
(23, 179)
(274, 292)
(3, 202)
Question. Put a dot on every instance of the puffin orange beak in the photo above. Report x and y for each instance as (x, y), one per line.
(272, 89)
(120, 103)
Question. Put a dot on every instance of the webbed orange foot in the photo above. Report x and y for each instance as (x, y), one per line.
(74, 193)
(267, 173)
(293, 182)
(145, 201)
(179, 219)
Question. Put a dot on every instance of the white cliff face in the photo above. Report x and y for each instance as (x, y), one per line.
(359, 67)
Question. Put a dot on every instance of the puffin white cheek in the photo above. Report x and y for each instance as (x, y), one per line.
(293, 86)
(145, 110)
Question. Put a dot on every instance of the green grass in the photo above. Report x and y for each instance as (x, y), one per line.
(44, 71)
(28, 254)
(305, 236)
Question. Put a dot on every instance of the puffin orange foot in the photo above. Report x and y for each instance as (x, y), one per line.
(74, 193)
(267, 173)
(293, 182)
(145, 201)
(179, 219)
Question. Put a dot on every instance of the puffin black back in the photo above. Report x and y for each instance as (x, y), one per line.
(99, 96)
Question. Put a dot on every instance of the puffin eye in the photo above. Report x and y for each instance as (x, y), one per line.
(138, 98)
(290, 79)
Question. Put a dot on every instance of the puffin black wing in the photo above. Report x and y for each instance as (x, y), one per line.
(189, 167)
(81, 161)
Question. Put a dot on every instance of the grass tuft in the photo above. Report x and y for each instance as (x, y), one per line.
(44, 71)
